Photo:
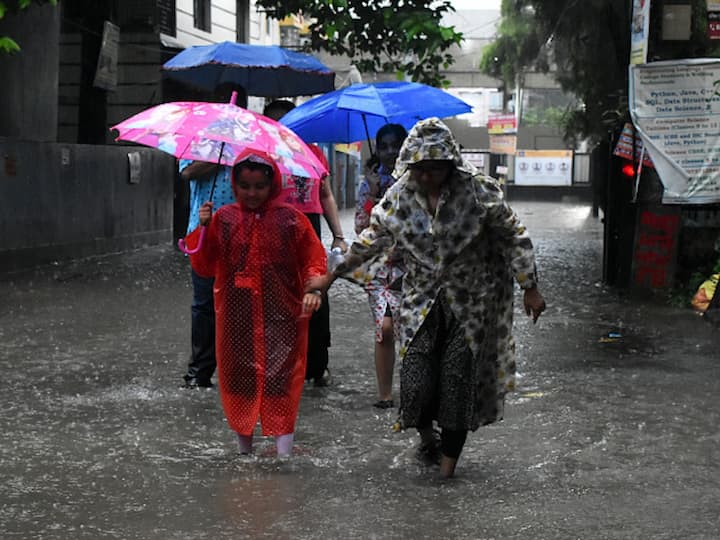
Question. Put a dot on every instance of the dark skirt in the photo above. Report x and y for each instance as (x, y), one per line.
(440, 378)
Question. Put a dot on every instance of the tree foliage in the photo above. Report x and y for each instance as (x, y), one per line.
(585, 42)
(587, 45)
(11, 7)
(517, 46)
(402, 37)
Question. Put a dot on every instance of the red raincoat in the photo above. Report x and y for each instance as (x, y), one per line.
(260, 260)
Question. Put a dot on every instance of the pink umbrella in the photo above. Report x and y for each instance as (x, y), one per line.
(222, 133)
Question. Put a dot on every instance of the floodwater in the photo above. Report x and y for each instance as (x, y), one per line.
(613, 433)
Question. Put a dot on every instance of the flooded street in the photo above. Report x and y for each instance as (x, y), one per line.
(613, 433)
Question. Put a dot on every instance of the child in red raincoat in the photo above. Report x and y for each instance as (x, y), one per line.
(261, 252)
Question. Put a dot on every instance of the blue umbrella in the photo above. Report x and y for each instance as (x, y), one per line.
(353, 113)
(262, 70)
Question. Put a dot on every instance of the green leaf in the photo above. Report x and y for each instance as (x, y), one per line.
(8, 45)
(3, 9)
(377, 35)
(23, 3)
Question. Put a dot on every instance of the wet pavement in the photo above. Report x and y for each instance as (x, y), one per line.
(613, 434)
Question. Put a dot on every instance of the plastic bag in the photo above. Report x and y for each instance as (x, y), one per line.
(705, 293)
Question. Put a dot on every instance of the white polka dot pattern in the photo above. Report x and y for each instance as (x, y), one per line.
(260, 261)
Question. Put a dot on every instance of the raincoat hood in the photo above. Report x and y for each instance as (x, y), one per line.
(430, 139)
(276, 187)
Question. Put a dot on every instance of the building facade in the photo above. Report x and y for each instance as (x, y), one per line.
(67, 190)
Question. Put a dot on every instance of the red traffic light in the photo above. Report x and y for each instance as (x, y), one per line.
(628, 171)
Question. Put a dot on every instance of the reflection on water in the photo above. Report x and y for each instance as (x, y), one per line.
(100, 442)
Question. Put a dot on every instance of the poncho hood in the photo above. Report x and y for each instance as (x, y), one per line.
(430, 139)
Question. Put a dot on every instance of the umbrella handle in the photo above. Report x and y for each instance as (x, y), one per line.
(217, 169)
(183, 247)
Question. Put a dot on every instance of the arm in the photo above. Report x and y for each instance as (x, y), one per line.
(330, 211)
(200, 170)
(512, 233)
(372, 242)
(203, 261)
(313, 264)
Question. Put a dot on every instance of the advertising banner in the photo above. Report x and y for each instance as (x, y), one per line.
(475, 158)
(502, 124)
(639, 30)
(655, 249)
(713, 24)
(675, 106)
(354, 149)
(503, 144)
(543, 167)
(625, 144)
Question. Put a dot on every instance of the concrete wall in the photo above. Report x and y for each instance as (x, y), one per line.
(528, 138)
(30, 77)
(64, 201)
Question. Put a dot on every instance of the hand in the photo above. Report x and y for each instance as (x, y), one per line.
(339, 242)
(373, 187)
(534, 303)
(311, 302)
(205, 213)
(320, 283)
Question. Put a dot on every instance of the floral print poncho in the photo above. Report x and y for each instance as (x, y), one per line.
(470, 248)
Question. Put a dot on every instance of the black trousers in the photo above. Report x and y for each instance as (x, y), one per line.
(319, 334)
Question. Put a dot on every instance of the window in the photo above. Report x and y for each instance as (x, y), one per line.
(243, 21)
(201, 14)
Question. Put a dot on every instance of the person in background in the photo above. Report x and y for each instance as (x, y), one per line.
(314, 199)
(383, 288)
(461, 245)
(201, 175)
(260, 252)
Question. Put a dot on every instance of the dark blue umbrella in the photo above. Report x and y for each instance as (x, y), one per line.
(353, 113)
(262, 70)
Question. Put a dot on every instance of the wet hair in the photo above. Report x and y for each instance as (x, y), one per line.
(283, 106)
(387, 129)
(267, 170)
(392, 129)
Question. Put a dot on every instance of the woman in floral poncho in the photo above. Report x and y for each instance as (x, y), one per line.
(461, 244)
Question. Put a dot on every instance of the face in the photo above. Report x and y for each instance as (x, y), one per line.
(430, 174)
(252, 188)
(388, 149)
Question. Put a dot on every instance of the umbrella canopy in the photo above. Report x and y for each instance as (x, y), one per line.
(221, 133)
(262, 70)
(355, 112)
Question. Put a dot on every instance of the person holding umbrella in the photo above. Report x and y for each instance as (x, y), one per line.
(206, 180)
(219, 133)
(461, 245)
(382, 287)
(314, 199)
